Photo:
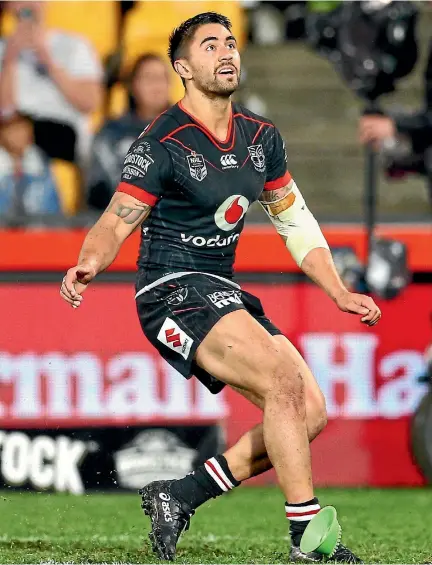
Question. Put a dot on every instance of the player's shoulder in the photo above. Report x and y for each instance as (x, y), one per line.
(242, 113)
(150, 144)
(164, 124)
(152, 137)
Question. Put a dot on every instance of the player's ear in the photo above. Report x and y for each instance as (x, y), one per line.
(182, 69)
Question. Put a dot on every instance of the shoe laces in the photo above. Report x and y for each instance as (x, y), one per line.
(182, 515)
(346, 554)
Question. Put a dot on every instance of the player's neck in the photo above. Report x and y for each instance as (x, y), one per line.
(214, 113)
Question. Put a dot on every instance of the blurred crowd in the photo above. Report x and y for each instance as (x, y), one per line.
(378, 46)
(52, 83)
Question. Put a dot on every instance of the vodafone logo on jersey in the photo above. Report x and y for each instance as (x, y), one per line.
(231, 211)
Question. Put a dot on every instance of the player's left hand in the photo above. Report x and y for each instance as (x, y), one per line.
(75, 282)
(361, 305)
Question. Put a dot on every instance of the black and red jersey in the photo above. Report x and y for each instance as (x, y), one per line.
(200, 187)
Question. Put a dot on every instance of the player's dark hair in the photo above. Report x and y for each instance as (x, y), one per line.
(183, 34)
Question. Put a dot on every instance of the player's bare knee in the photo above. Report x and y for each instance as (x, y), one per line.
(286, 386)
(323, 413)
(317, 413)
(321, 422)
(320, 418)
(291, 393)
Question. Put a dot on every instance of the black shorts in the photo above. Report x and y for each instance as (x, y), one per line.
(178, 313)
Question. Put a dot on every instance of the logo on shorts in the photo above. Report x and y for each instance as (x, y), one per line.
(257, 156)
(229, 162)
(230, 212)
(197, 166)
(223, 298)
(178, 296)
(175, 338)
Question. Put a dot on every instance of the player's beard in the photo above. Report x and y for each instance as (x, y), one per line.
(218, 85)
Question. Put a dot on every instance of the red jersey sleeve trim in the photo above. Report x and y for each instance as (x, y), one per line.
(138, 193)
(278, 183)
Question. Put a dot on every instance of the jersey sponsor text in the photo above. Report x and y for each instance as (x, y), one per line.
(218, 241)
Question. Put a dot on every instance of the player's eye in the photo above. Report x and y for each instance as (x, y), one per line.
(210, 48)
(231, 45)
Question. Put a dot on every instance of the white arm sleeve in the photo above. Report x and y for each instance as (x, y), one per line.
(298, 225)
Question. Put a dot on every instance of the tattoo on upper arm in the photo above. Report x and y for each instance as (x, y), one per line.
(132, 215)
(130, 212)
(278, 200)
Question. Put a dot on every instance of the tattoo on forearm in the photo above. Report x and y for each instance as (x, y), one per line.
(132, 213)
(278, 200)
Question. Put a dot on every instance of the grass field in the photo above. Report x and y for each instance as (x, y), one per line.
(246, 526)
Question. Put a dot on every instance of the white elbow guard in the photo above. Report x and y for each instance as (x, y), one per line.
(297, 226)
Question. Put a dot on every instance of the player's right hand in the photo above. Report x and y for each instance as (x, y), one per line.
(75, 282)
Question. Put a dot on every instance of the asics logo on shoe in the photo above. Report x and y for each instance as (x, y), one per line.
(165, 506)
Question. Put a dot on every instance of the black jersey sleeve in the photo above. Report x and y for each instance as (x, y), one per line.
(146, 170)
(277, 171)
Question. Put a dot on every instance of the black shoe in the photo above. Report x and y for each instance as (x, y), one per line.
(297, 556)
(169, 517)
(341, 555)
(345, 555)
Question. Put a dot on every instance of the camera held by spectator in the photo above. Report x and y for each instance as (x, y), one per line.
(404, 139)
(53, 76)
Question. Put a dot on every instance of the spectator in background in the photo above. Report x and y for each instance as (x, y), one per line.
(382, 129)
(27, 186)
(53, 76)
(148, 92)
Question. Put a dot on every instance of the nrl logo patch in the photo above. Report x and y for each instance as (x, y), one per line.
(257, 156)
(197, 166)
